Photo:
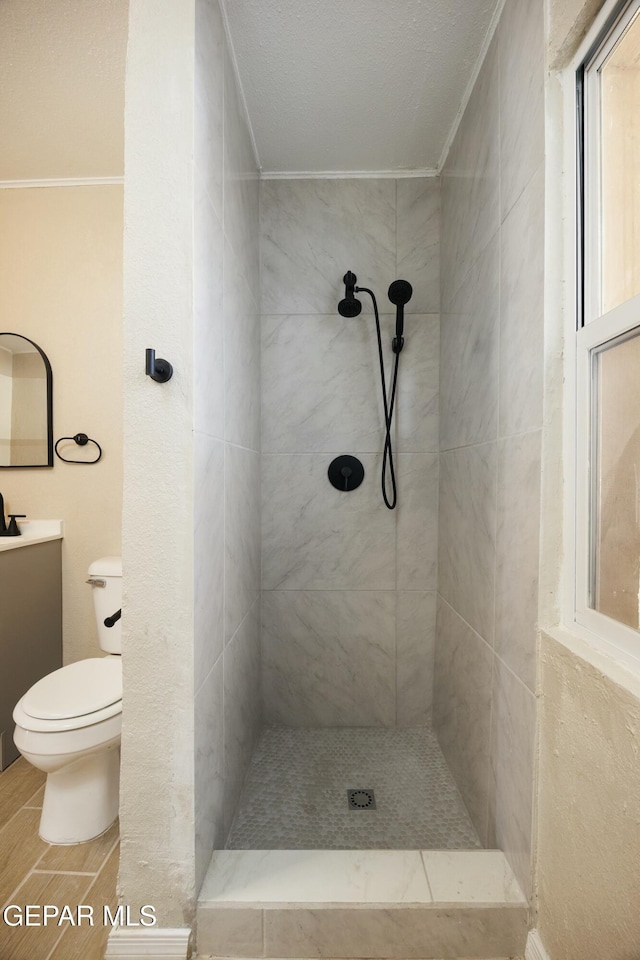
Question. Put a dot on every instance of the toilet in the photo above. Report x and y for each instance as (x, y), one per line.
(68, 724)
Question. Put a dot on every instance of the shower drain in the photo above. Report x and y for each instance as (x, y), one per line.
(361, 799)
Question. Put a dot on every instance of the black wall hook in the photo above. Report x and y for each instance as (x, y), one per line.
(158, 370)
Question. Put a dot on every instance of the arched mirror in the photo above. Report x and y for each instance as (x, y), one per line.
(26, 392)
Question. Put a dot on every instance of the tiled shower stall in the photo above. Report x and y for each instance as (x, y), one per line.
(424, 617)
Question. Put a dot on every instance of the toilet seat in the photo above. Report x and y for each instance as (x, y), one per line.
(75, 696)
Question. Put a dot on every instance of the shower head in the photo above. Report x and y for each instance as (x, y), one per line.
(349, 307)
(400, 292)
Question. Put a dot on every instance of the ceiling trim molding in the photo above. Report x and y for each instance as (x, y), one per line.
(243, 99)
(493, 26)
(64, 182)
(346, 174)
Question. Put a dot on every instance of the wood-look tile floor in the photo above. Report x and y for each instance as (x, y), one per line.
(35, 872)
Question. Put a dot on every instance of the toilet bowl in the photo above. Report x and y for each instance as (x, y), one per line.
(69, 724)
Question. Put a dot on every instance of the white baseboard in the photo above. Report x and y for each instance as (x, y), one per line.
(535, 949)
(153, 943)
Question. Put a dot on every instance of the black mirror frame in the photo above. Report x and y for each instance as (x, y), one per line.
(47, 366)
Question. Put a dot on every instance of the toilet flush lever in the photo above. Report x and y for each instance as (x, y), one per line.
(95, 582)
(110, 621)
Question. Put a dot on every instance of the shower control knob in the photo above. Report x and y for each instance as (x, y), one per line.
(346, 473)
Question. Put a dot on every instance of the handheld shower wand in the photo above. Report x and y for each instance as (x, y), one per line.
(400, 293)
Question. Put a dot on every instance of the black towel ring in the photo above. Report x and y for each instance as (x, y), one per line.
(82, 440)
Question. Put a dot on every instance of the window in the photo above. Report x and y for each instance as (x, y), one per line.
(608, 338)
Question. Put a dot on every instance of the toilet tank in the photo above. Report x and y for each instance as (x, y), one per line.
(105, 577)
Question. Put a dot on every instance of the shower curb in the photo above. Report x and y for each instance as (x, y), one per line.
(243, 911)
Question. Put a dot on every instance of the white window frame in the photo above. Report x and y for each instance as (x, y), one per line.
(615, 638)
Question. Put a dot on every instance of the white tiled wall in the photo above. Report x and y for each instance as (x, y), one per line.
(348, 614)
(227, 439)
(490, 426)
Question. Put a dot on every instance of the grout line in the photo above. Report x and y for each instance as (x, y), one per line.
(55, 946)
(23, 880)
(466, 622)
(425, 173)
(395, 517)
(466, 97)
(13, 816)
(481, 443)
(491, 796)
(27, 802)
(239, 87)
(238, 446)
(424, 867)
(64, 930)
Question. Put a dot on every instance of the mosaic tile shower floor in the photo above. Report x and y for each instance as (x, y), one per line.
(295, 794)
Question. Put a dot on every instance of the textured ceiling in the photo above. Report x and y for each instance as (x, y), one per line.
(355, 85)
(62, 82)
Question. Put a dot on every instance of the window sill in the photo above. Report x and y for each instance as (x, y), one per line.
(620, 667)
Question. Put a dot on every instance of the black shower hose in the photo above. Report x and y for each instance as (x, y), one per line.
(387, 457)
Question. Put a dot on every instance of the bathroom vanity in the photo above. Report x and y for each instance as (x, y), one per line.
(30, 618)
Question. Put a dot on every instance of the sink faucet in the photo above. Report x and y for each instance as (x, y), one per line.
(13, 530)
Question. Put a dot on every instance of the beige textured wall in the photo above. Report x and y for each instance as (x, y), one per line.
(589, 812)
(61, 282)
(61, 76)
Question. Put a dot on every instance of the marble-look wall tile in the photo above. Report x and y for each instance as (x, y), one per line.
(242, 706)
(226, 408)
(522, 311)
(382, 933)
(313, 231)
(208, 533)
(241, 185)
(491, 375)
(321, 396)
(321, 385)
(469, 356)
(318, 538)
(466, 534)
(417, 401)
(242, 533)
(518, 554)
(241, 356)
(208, 360)
(418, 241)
(462, 709)
(209, 99)
(417, 521)
(415, 632)
(512, 764)
(329, 658)
(209, 768)
(470, 181)
(521, 39)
